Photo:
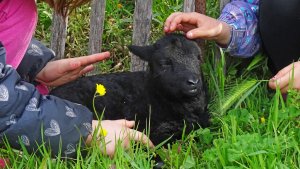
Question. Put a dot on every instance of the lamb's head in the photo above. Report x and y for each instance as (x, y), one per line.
(174, 64)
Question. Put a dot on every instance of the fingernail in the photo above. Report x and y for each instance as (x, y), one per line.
(166, 28)
(171, 27)
(190, 35)
(273, 78)
(75, 63)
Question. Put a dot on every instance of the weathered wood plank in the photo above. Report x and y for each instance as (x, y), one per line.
(189, 6)
(141, 31)
(58, 35)
(223, 4)
(96, 31)
(200, 7)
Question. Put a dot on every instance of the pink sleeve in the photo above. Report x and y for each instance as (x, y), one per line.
(18, 20)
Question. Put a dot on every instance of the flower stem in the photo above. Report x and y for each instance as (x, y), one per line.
(94, 105)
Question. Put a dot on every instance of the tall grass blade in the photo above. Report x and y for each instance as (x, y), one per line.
(44, 162)
(220, 107)
(246, 95)
(259, 57)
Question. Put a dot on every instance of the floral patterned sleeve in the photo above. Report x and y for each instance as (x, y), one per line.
(241, 15)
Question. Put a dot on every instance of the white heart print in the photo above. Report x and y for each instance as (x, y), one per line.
(4, 95)
(70, 149)
(88, 127)
(12, 120)
(70, 112)
(22, 87)
(35, 51)
(32, 106)
(54, 130)
(24, 140)
(1, 67)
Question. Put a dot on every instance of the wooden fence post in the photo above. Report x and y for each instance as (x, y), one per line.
(189, 6)
(200, 7)
(141, 31)
(96, 31)
(223, 4)
(58, 35)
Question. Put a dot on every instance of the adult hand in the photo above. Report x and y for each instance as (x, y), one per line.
(65, 70)
(283, 78)
(118, 130)
(198, 26)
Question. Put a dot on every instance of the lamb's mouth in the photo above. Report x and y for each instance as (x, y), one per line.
(193, 91)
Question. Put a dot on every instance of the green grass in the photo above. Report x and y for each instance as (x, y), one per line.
(251, 126)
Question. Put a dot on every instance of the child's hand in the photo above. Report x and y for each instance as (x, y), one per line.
(63, 71)
(198, 26)
(120, 130)
(283, 78)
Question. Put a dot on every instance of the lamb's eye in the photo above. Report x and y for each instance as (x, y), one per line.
(165, 62)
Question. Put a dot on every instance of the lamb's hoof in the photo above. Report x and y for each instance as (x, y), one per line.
(160, 164)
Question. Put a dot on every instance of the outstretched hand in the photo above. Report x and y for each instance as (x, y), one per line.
(197, 25)
(65, 70)
(283, 78)
(118, 130)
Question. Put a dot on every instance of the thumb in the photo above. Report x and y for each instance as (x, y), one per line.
(199, 33)
(74, 65)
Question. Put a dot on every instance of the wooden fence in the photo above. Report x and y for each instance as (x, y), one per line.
(141, 28)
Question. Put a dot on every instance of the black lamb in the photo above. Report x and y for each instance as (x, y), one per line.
(173, 87)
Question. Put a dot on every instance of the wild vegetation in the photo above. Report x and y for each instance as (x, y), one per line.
(251, 125)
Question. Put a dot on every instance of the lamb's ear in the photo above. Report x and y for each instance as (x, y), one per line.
(144, 52)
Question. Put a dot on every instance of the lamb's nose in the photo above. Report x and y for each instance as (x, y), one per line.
(193, 80)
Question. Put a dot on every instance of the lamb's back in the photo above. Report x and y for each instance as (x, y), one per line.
(123, 91)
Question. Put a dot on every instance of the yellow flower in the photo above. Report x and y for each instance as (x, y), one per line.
(154, 154)
(101, 89)
(119, 5)
(103, 132)
(263, 119)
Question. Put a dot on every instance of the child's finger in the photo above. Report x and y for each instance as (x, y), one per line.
(125, 123)
(282, 82)
(285, 70)
(184, 18)
(86, 69)
(186, 27)
(169, 20)
(285, 89)
(87, 60)
(187, 18)
(138, 137)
